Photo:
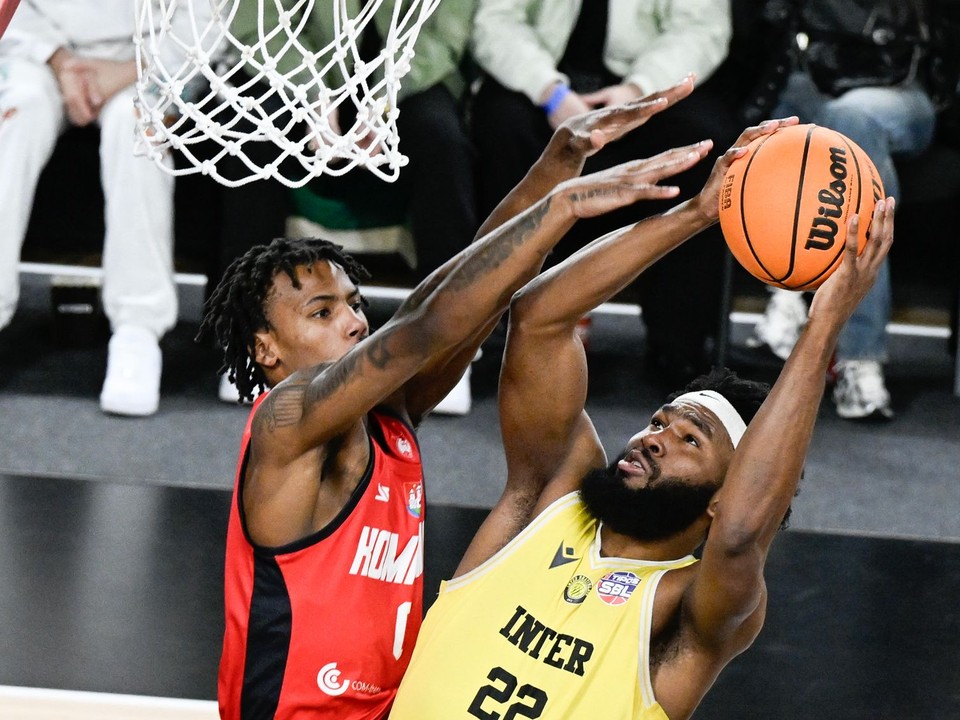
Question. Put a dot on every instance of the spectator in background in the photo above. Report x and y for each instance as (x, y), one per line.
(856, 67)
(438, 182)
(71, 62)
(545, 60)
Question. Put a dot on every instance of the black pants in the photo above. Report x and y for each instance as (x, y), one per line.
(437, 186)
(680, 294)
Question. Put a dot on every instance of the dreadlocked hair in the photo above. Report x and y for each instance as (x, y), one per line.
(236, 308)
(746, 396)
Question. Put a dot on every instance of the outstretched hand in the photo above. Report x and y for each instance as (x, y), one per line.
(708, 200)
(621, 185)
(587, 133)
(846, 287)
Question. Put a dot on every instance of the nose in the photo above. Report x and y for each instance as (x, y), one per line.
(654, 443)
(356, 323)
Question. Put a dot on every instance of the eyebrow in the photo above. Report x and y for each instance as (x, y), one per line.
(692, 415)
(330, 296)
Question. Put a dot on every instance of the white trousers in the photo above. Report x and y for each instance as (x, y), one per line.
(138, 284)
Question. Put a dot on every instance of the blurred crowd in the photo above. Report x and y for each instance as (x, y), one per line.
(489, 82)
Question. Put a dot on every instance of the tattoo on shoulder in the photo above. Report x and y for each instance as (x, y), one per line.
(282, 408)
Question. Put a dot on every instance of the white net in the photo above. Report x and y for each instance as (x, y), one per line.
(271, 104)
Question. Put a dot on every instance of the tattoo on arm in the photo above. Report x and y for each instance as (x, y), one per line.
(282, 408)
(496, 252)
(421, 293)
(374, 350)
(581, 196)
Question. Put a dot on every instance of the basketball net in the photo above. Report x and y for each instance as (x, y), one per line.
(207, 95)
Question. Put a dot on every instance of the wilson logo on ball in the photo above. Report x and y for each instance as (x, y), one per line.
(823, 232)
(786, 203)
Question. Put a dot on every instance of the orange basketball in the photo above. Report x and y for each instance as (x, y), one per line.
(785, 204)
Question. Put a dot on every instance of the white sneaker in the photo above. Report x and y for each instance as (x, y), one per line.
(860, 393)
(458, 400)
(783, 319)
(134, 363)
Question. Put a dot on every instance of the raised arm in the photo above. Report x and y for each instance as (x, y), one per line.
(548, 438)
(724, 605)
(563, 159)
(310, 408)
(574, 141)
(571, 144)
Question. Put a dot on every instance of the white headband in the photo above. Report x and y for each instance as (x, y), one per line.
(721, 407)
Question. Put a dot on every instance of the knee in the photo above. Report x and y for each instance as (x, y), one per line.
(30, 112)
(118, 117)
(851, 119)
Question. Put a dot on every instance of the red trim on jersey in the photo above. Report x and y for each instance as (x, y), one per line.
(324, 627)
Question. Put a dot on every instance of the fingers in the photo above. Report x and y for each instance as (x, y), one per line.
(880, 238)
(767, 127)
(675, 94)
(673, 161)
(645, 173)
(739, 148)
(632, 181)
(617, 120)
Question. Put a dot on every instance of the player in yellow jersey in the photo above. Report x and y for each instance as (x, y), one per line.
(580, 595)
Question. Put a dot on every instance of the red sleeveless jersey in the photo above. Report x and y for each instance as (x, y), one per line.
(324, 627)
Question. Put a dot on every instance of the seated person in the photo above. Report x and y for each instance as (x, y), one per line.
(545, 60)
(855, 68)
(73, 64)
(437, 185)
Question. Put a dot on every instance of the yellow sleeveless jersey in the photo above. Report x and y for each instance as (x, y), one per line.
(546, 628)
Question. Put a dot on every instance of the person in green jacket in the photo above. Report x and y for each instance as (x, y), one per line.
(437, 184)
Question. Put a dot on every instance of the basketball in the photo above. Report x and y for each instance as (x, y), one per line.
(785, 204)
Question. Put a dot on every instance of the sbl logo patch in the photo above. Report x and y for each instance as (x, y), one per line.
(615, 588)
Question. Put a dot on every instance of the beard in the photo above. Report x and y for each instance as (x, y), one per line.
(665, 507)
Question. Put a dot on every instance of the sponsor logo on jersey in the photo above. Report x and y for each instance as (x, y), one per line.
(615, 588)
(577, 589)
(379, 556)
(414, 494)
(565, 554)
(328, 680)
(383, 493)
(404, 447)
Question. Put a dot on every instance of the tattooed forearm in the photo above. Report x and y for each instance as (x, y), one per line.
(378, 349)
(421, 293)
(494, 252)
(328, 378)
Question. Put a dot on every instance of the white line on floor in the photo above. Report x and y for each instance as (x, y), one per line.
(18, 703)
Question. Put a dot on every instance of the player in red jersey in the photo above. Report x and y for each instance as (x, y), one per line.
(324, 548)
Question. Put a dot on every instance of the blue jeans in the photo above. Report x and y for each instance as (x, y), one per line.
(885, 122)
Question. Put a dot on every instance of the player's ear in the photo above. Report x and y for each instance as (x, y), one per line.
(265, 350)
(713, 505)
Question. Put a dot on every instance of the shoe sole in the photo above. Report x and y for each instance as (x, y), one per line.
(874, 416)
(114, 408)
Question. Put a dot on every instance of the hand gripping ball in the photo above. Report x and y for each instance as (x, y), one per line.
(785, 204)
